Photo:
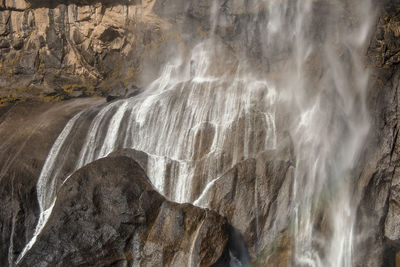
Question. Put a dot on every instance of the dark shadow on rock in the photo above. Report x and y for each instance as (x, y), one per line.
(236, 253)
(391, 252)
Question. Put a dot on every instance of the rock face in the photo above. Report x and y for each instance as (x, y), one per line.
(53, 50)
(27, 130)
(108, 214)
(58, 50)
(255, 197)
(378, 185)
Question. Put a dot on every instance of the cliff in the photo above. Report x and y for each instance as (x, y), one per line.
(72, 52)
(55, 50)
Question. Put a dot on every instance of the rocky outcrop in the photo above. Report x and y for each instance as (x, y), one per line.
(27, 130)
(52, 50)
(108, 214)
(58, 50)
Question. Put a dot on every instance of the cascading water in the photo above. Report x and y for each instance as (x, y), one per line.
(328, 132)
(212, 109)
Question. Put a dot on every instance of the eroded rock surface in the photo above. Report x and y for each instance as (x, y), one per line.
(53, 50)
(107, 213)
(58, 50)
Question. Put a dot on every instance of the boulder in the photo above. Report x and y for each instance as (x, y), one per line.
(108, 214)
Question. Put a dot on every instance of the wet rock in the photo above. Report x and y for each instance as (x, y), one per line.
(140, 157)
(27, 130)
(378, 212)
(108, 212)
(255, 197)
(77, 48)
(276, 254)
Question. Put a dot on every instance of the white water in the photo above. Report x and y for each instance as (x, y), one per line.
(208, 112)
(328, 134)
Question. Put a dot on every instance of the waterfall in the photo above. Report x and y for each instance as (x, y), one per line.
(328, 132)
(214, 108)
